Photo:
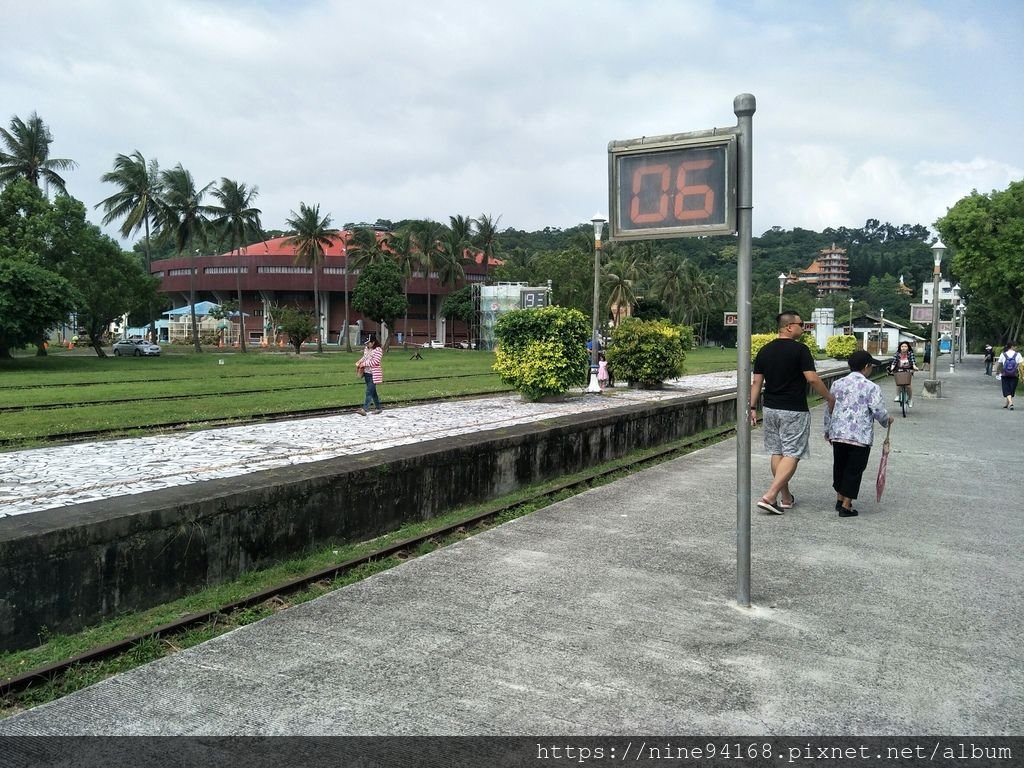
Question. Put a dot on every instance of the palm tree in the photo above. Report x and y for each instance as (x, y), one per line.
(486, 239)
(621, 273)
(427, 235)
(312, 236)
(27, 154)
(403, 251)
(366, 248)
(184, 218)
(450, 259)
(237, 222)
(137, 202)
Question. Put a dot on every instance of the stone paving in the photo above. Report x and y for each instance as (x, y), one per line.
(45, 478)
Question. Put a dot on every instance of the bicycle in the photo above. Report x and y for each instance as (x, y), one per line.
(903, 379)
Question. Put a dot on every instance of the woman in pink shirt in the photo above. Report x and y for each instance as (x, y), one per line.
(373, 375)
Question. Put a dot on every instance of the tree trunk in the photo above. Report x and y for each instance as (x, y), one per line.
(316, 309)
(241, 314)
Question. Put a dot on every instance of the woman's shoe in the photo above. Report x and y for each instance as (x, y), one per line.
(844, 512)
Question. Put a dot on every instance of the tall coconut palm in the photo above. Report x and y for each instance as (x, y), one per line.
(427, 235)
(137, 202)
(403, 251)
(184, 219)
(450, 260)
(485, 237)
(362, 249)
(312, 235)
(620, 275)
(26, 153)
(236, 223)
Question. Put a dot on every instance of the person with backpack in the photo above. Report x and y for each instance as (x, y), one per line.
(1008, 370)
(990, 357)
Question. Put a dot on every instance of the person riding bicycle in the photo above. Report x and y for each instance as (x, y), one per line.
(902, 361)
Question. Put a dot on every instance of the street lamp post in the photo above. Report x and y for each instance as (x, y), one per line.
(881, 331)
(954, 293)
(782, 282)
(598, 221)
(963, 328)
(850, 301)
(933, 387)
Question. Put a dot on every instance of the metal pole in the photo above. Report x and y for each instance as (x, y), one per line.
(597, 300)
(598, 222)
(933, 381)
(744, 107)
(952, 342)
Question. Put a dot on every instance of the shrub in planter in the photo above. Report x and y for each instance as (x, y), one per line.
(542, 352)
(646, 352)
(840, 347)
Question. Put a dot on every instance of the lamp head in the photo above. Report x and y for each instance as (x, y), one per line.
(938, 250)
(598, 221)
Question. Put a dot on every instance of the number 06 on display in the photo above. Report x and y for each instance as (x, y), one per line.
(672, 186)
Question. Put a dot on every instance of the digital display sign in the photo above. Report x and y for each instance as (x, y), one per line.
(533, 298)
(672, 186)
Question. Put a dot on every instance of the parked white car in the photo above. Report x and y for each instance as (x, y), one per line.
(435, 344)
(136, 347)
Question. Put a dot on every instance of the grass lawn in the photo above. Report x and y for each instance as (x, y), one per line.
(69, 392)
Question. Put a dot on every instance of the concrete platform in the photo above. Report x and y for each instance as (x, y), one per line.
(614, 612)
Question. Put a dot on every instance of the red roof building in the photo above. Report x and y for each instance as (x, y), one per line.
(267, 275)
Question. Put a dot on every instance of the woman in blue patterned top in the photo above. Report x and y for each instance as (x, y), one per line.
(849, 428)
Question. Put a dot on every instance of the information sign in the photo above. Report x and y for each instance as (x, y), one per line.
(921, 313)
(731, 319)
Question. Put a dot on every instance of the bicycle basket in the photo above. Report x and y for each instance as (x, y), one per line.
(903, 377)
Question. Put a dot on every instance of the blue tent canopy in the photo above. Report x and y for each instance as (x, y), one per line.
(203, 308)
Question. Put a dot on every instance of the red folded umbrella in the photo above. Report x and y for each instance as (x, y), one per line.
(883, 465)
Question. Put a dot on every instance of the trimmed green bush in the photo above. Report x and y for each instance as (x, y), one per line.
(840, 347)
(647, 352)
(542, 352)
(758, 340)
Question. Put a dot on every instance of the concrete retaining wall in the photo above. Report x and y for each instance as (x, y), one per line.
(65, 569)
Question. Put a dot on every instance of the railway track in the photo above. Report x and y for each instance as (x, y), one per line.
(13, 686)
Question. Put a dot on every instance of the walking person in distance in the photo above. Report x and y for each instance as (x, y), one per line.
(990, 357)
(1008, 370)
(369, 366)
(849, 428)
(783, 369)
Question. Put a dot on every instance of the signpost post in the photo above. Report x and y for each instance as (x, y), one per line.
(694, 184)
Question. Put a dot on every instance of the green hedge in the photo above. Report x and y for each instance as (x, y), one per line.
(840, 347)
(647, 352)
(542, 352)
(758, 340)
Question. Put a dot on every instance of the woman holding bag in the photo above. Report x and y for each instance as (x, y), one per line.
(369, 367)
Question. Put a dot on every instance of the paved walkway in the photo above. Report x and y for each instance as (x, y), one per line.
(45, 478)
(613, 612)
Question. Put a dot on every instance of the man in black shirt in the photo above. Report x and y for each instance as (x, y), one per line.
(783, 369)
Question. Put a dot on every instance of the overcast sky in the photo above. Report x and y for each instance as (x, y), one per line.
(427, 108)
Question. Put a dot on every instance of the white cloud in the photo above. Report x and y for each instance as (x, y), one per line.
(406, 109)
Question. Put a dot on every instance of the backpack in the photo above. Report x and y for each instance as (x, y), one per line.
(1010, 366)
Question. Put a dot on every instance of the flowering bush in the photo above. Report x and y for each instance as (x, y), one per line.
(542, 352)
(646, 352)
